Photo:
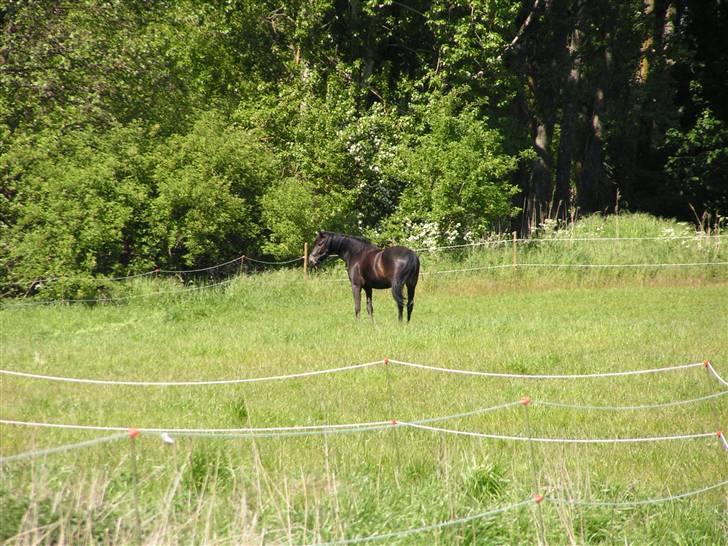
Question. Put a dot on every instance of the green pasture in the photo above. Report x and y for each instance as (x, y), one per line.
(319, 488)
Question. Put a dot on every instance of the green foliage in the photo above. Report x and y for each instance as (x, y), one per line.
(698, 165)
(186, 133)
(80, 195)
(208, 183)
(317, 192)
(457, 177)
(85, 63)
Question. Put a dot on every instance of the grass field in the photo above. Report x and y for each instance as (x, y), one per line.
(334, 487)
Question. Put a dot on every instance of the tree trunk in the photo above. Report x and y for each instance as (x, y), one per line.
(539, 187)
(595, 193)
(568, 121)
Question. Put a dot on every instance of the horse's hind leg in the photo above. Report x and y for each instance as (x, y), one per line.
(399, 298)
(410, 299)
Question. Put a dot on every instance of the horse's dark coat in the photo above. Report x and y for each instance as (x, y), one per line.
(371, 267)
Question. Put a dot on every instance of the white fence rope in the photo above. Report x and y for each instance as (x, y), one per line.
(264, 262)
(625, 504)
(202, 269)
(425, 528)
(549, 498)
(630, 408)
(496, 436)
(190, 383)
(572, 266)
(101, 280)
(269, 432)
(544, 376)
(711, 369)
(298, 430)
(355, 427)
(35, 303)
(698, 237)
(41, 280)
(42, 452)
(129, 277)
(353, 367)
(554, 500)
(294, 430)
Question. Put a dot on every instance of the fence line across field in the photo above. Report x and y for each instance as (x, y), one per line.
(386, 361)
(587, 407)
(283, 377)
(266, 432)
(504, 375)
(548, 440)
(58, 449)
(425, 528)
(709, 365)
(442, 524)
(114, 299)
(36, 303)
(357, 427)
(430, 249)
(643, 502)
(525, 502)
(573, 266)
(531, 240)
(265, 262)
(158, 271)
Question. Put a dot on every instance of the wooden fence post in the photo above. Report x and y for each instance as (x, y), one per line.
(515, 259)
(305, 261)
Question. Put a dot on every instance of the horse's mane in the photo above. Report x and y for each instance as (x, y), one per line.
(337, 237)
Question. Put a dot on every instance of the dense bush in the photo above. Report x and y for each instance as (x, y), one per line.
(455, 174)
(135, 134)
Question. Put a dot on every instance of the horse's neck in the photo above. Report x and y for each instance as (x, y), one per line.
(347, 248)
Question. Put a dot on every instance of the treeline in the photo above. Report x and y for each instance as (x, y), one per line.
(136, 133)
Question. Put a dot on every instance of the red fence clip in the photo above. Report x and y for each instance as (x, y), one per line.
(133, 433)
(722, 439)
(394, 422)
(526, 400)
(386, 360)
(538, 498)
(706, 363)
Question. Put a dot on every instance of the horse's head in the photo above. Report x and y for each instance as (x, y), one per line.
(321, 248)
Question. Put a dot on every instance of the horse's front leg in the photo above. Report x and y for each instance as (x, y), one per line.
(370, 307)
(356, 290)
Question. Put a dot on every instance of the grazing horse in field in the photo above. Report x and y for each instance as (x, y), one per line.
(371, 267)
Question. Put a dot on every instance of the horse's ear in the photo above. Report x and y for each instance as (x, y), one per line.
(318, 233)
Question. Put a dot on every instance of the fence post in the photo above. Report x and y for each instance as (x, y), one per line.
(133, 433)
(305, 260)
(538, 497)
(393, 420)
(714, 405)
(515, 258)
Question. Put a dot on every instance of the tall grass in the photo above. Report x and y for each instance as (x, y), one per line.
(317, 488)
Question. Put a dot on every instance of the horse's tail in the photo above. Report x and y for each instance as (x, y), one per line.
(411, 269)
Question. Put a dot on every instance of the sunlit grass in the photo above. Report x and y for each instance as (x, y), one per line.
(318, 488)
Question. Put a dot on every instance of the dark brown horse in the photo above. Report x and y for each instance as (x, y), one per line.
(371, 267)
